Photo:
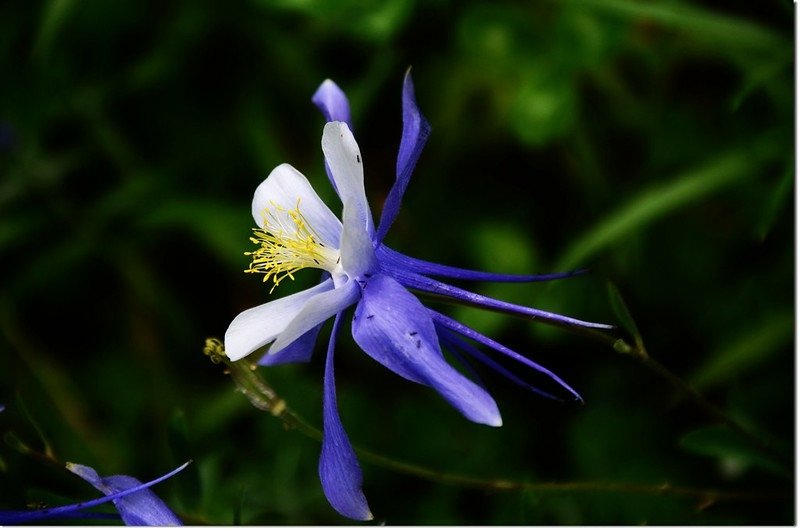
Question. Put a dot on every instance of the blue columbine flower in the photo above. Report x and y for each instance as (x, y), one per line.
(297, 230)
(136, 504)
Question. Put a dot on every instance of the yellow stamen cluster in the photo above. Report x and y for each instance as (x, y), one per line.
(286, 247)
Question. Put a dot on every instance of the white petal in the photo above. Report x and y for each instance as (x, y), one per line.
(344, 160)
(284, 186)
(358, 254)
(315, 311)
(260, 325)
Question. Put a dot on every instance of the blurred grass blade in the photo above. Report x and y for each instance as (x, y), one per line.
(53, 16)
(762, 75)
(12, 440)
(51, 377)
(754, 346)
(780, 195)
(658, 201)
(622, 313)
(723, 30)
(48, 451)
(720, 442)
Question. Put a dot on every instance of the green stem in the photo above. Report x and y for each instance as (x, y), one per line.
(638, 351)
(263, 397)
(712, 410)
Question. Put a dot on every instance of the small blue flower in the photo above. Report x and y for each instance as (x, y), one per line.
(297, 230)
(136, 504)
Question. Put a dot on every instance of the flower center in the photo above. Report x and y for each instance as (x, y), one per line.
(287, 243)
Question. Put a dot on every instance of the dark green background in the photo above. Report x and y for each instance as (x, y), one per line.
(649, 140)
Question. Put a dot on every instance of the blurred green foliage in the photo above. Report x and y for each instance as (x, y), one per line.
(650, 140)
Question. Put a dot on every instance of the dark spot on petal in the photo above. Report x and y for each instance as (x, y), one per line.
(419, 344)
(358, 158)
(370, 316)
(413, 333)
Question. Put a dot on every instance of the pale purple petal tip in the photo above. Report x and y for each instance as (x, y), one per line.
(332, 102)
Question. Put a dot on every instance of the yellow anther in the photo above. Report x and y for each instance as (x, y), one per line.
(214, 349)
(287, 243)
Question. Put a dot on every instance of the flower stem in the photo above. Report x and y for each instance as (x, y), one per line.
(262, 396)
(712, 410)
(637, 351)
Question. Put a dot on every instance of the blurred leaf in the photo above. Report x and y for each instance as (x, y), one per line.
(754, 346)
(542, 111)
(369, 19)
(658, 201)
(384, 19)
(722, 30)
(224, 228)
(622, 313)
(583, 40)
(720, 442)
(491, 34)
(504, 248)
